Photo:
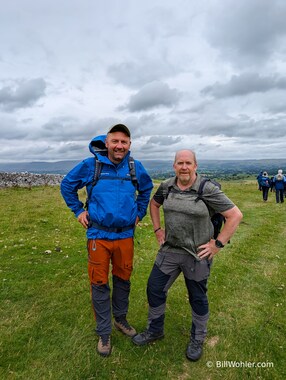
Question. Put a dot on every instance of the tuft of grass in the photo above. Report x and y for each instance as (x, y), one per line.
(47, 324)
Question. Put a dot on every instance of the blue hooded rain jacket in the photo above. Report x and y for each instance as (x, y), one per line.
(113, 201)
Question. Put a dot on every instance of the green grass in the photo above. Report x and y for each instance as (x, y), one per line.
(47, 325)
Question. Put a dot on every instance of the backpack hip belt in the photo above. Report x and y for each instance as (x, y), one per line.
(110, 229)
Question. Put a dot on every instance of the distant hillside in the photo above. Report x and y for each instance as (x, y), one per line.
(161, 168)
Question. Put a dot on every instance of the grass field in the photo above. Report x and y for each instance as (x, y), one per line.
(47, 325)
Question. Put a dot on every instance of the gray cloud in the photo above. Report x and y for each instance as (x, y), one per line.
(22, 94)
(246, 32)
(277, 108)
(67, 128)
(164, 140)
(242, 127)
(136, 74)
(10, 129)
(73, 147)
(153, 95)
(244, 84)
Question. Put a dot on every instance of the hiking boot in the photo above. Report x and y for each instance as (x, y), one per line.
(146, 337)
(194, 350)
(122, 325)
(104, 345)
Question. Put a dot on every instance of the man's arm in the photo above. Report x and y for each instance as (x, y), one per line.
(232, 219)
(72, 182)
(155, 216)
(145, 186)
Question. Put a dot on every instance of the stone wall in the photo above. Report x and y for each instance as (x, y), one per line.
(29, 179)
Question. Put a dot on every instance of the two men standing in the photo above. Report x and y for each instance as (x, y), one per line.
(186, 243)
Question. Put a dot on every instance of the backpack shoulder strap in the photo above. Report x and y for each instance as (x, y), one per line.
(201, 189)
(202, 185)
(97, 171)
(167, 188)
(132, 171)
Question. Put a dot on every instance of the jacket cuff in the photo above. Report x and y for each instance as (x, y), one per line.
(79, 212)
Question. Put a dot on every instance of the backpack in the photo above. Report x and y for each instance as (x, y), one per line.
(217, 219)
(264, 181)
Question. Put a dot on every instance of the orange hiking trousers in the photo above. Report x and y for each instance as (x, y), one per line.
(101, 252)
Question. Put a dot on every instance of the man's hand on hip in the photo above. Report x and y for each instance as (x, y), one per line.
(83, 219)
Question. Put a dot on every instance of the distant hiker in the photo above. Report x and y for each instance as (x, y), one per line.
(259, 180)
(271, 183)
(279, 181)
(118, 199)
(187, 245)
(265, 183)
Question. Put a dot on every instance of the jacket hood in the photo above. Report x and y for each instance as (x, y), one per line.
(97, 145)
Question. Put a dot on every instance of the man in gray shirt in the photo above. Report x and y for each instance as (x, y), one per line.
(186, 245)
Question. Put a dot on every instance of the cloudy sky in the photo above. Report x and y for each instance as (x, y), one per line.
(208, 75)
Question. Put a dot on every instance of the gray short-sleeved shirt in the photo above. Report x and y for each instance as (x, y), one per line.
(187, 223)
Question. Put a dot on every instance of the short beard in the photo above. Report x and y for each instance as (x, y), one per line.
(185, 180)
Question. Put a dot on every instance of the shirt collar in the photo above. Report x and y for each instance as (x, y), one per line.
(195, 186)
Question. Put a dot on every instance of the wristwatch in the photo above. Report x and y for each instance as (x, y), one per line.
(218, 244)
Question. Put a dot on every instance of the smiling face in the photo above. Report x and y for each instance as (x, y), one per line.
(185, 167)
(118, 145)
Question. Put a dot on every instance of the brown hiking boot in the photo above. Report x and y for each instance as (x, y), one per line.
(123, 326)
(104, 345)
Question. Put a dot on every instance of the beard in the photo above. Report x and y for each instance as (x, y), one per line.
(184, 178)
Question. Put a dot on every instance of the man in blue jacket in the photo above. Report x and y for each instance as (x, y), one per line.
(114, 208)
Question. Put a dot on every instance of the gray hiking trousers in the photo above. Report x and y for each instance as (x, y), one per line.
(166, 269)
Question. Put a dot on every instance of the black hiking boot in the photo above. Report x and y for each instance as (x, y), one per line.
(146, 337)
(194, 350)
